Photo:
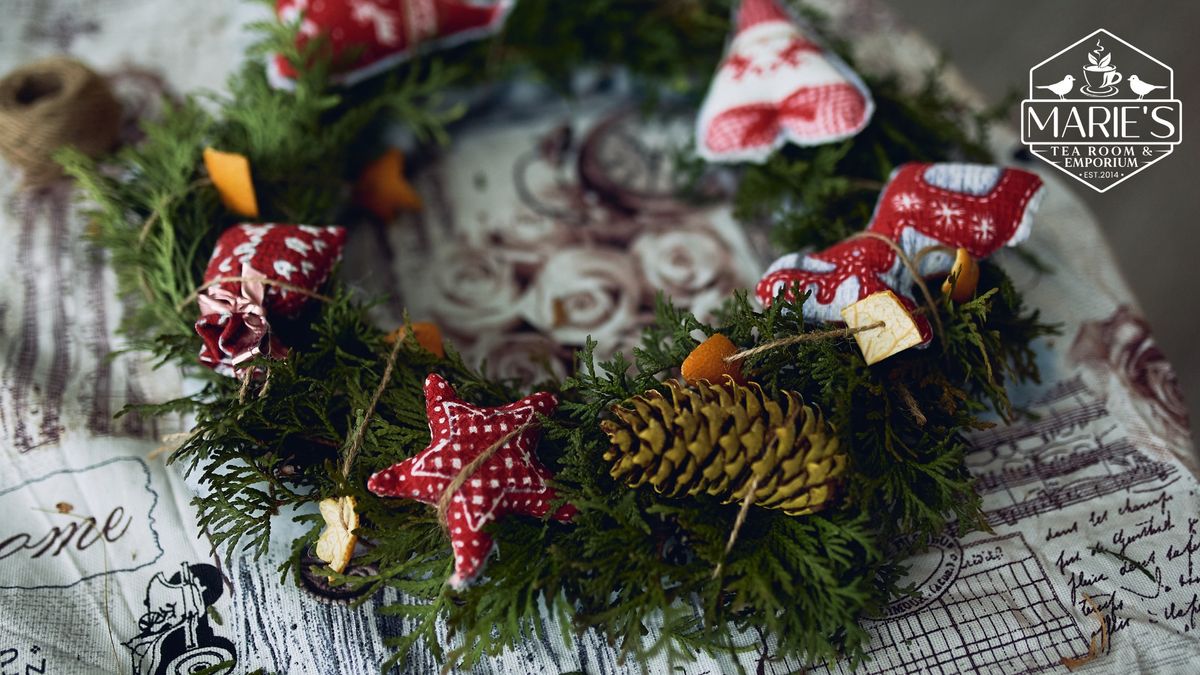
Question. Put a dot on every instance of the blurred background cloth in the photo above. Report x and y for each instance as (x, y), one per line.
(1106, 463)
(1150, 220)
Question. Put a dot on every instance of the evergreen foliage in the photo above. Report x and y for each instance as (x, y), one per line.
(631, 557)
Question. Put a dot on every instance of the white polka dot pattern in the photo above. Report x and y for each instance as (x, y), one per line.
(301, 255)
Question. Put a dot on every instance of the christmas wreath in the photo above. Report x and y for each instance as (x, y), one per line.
(773, 467)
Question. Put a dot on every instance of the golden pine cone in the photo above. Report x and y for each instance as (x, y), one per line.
(715, 439)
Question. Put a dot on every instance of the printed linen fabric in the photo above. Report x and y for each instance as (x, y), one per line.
(525, 250)
(534, 241)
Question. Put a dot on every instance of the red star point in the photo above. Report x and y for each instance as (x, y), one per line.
(511, 481)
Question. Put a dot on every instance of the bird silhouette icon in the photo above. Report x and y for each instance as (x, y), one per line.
(1142, 88)
(1062, 87)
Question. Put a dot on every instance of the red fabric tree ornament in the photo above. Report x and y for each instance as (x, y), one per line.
(776, 85)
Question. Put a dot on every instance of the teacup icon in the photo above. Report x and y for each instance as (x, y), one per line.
(1101, 79)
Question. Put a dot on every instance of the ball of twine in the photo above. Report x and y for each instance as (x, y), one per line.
(50, 104)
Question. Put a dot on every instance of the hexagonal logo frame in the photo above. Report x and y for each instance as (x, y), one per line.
(1101, 111)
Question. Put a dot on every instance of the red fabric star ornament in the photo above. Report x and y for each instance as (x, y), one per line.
(511, 481)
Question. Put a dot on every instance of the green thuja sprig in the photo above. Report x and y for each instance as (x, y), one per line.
(154, 209)
(631, 558)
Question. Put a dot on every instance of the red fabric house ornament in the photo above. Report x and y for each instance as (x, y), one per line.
(977, 207)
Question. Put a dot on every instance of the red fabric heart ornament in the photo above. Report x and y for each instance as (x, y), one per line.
(775, 86)
(382, 33)
(270, 262)
(977, 207)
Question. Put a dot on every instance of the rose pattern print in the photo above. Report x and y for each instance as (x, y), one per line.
(526, 356)
(476, 290)
(1119, 357)
(680, 263)
(581, 238)
(584, 291)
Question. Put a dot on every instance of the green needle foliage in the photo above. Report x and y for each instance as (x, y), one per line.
(631, 558)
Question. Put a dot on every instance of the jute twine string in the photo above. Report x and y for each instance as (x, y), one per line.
(247, 378)
(933, 248)
(913, 266)
(262, 280)
(913, 270)
(815, 336)
(910, 402)
(266, 385)
(50, 104)
(1096, 646)
(360, 433)
(737, 524)
(443, 505)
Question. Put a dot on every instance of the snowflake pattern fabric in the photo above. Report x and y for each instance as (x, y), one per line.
(776, 86)
(382, 33)
(977, 207)
(511, 481)
(235, 315)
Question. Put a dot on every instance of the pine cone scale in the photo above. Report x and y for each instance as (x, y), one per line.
(715, 439)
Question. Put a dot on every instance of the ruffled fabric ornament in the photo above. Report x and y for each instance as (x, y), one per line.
(979, 208)
(380, 34)
(509, 481)
(234, 326)
(775, 86)
(270, 272)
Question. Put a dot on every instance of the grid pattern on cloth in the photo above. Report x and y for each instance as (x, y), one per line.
(825, 111)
